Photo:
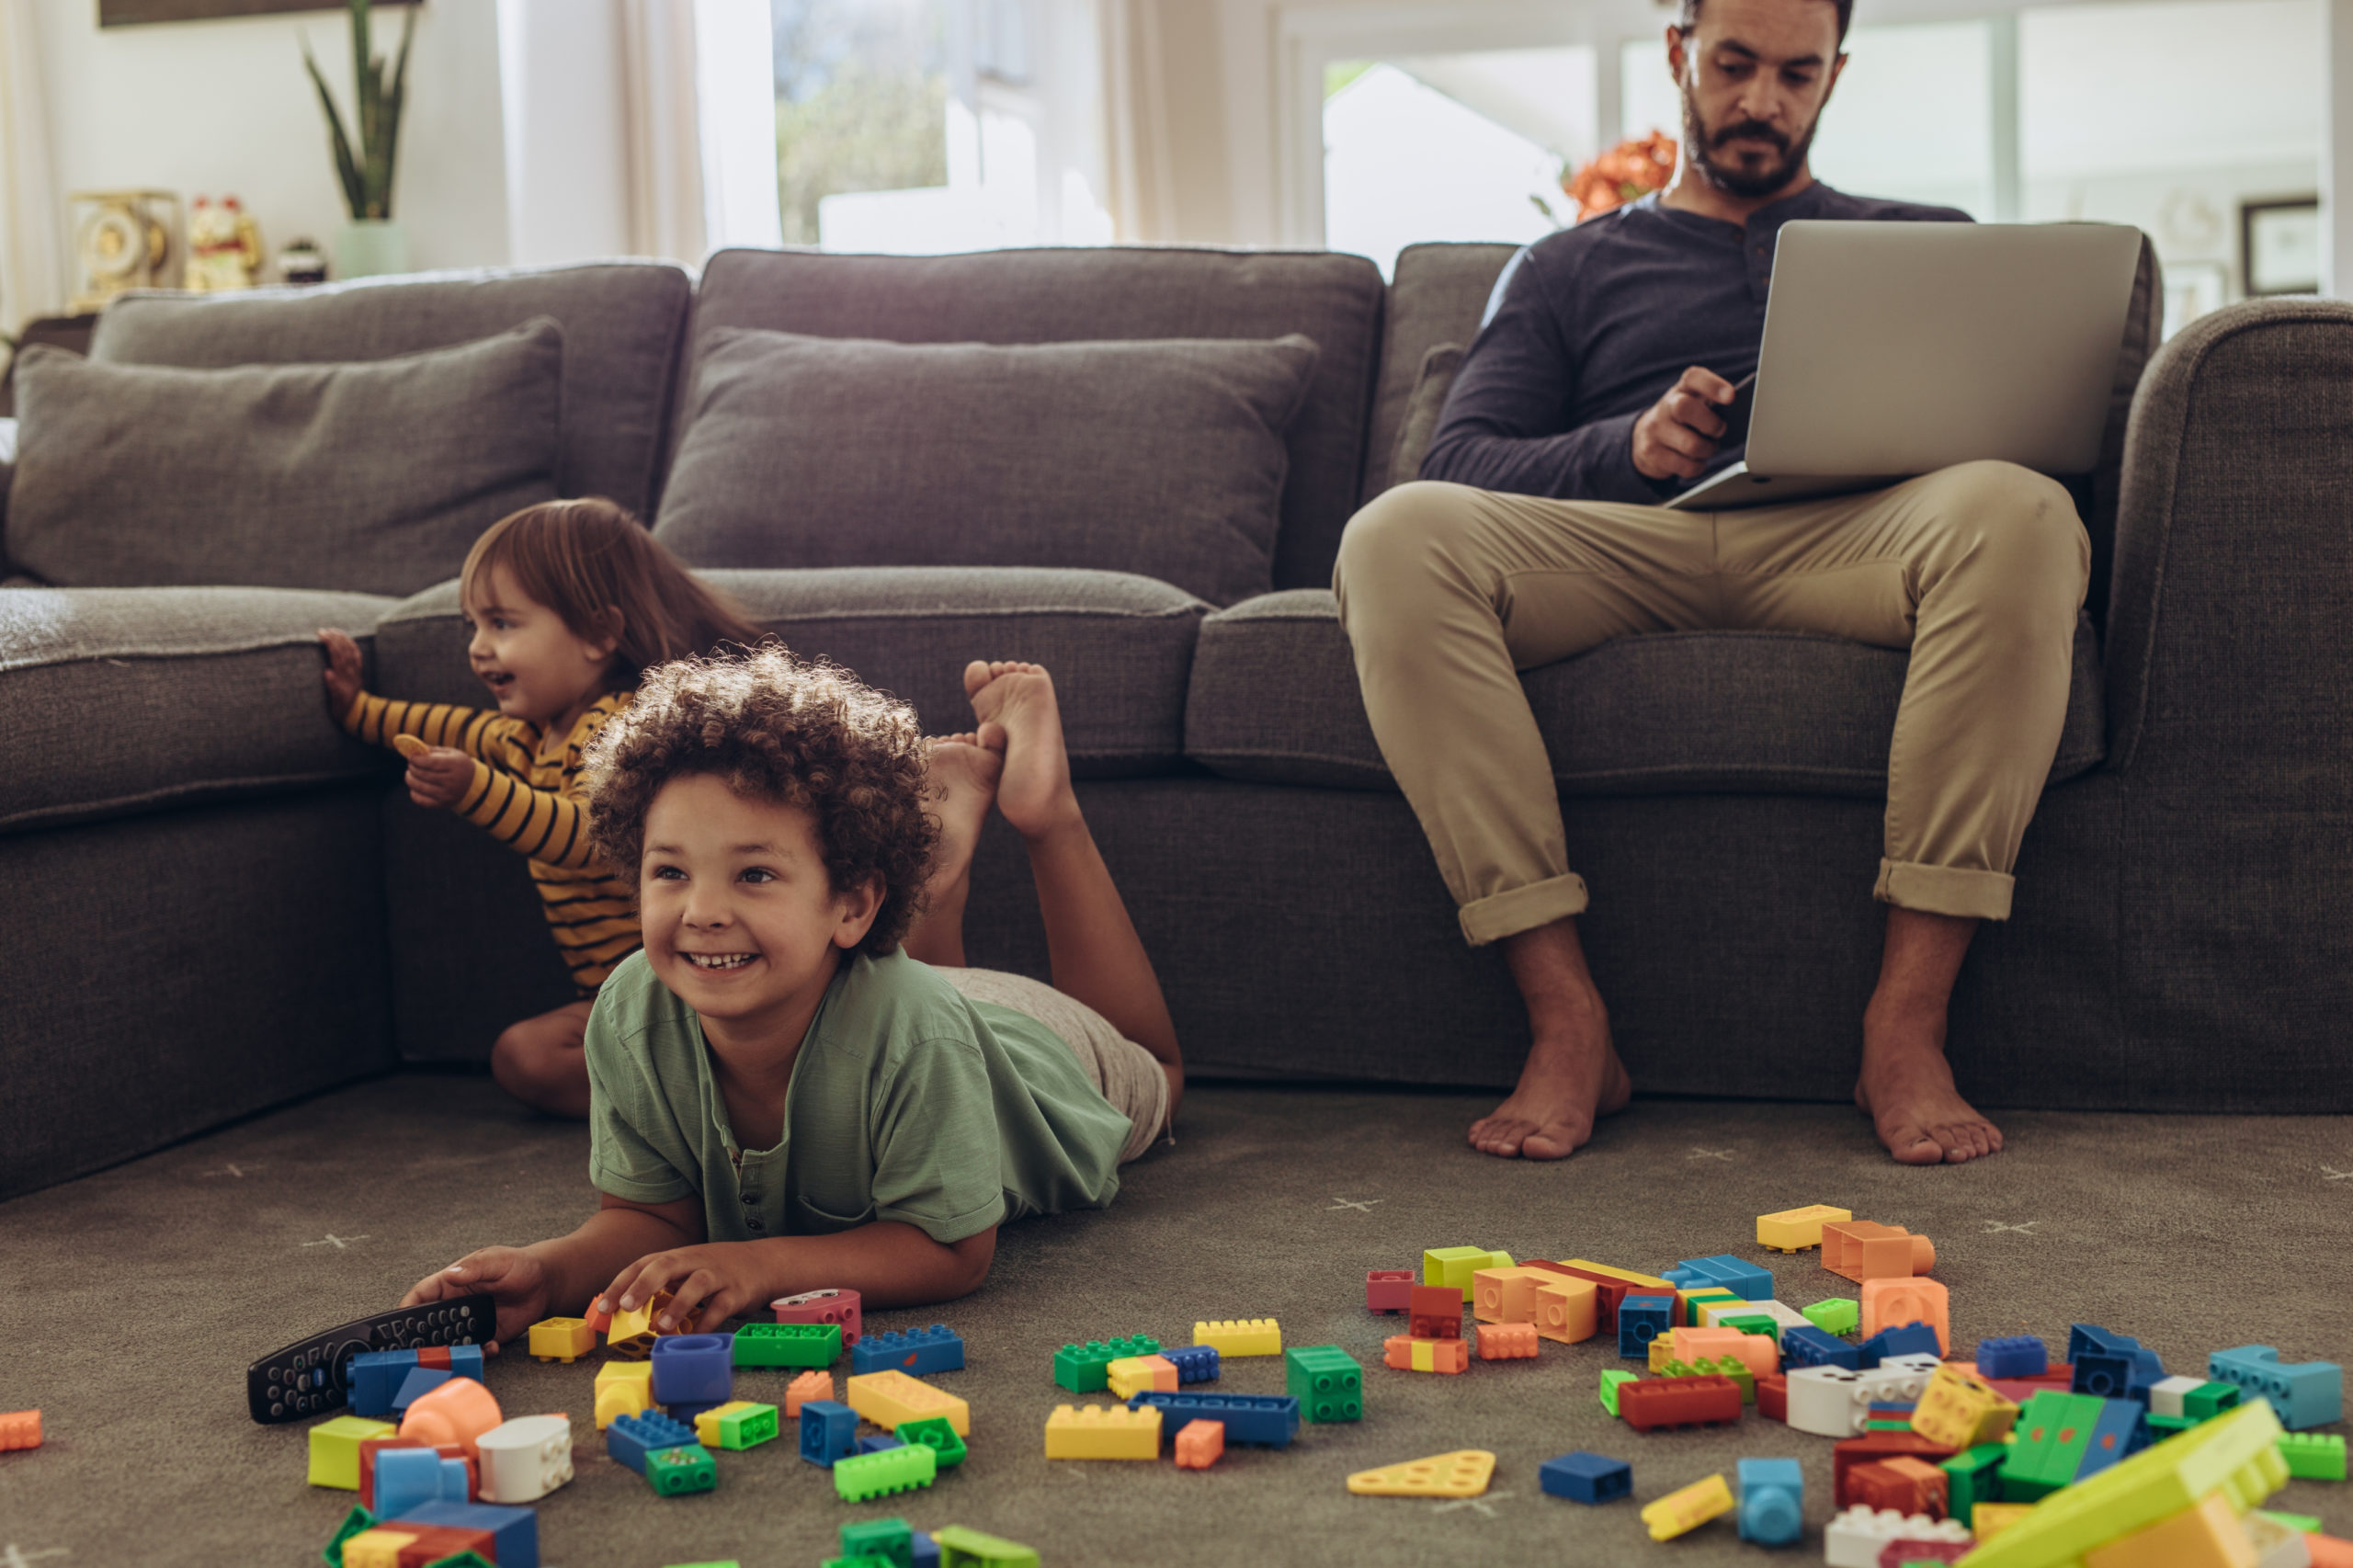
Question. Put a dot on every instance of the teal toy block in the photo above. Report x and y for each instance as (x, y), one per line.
(1326, 1381)
(2302, 1394)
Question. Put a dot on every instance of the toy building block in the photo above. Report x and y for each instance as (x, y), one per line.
(693, 1369)
(1462, 1473)
(1613, 1382)
(2166, 1394)
(2019, 1356)
(1895, 1301)
(2277, 1545)
(821, 1306)
(1862, 1250)
(1567, 1310)
(1434, 1313)
(370, 1448)
(1756, 1325)
(937, 1434)
(373, 1377)
(2311, 1456)
(1755, 1351)
(634, 1347)
(1131, 1375)
(1455, 1266)
(1695, 1301)
(562, 1340)
(623, 1388)
(1773, 1398)
(630, 1438)
(1388, 1289)
(334, 1447)
(1745, 1279)
(1729, 1367)
(1507, 1341)
(524, 1459)
(1681, 1512)
(1103, 1432)
(1507, 1295)
(828, 1432)
(1973, 1478)
(903, 1469)
(2209, 1399)
(1796, 1230)
(2122, 1429)
(893, 1540)
(374, 1548)
(890, 1398)
(1850, 1454)
(2305, 1394)
(1642, 1319)
(1612, 1286)
(1990, 1519)
(2053, 1433)
(673, 1473)
(1858, 1536)
(1586, 1477)
(2307, 1524)
(630, 1324)
(1408, 1354)
(738, 1424)
(1329, 1383)
(407, 1478)
(1772, 1501)
(2208, 1535)
(1266, 1420)
(1678, 1402)
(20, 1430)
(1902, 1483)
(1836, 1314)
(1194, 1363)
(1962, 1410)
(1200, 1444)
(877, 1442)
(804, 1388)
(961, 1548)
(1910, 1339)
(1244, 1336)
(421, 1381)
(1810, 1346)
(1085, 1368)
(459, 1412)
(787, 1345)
(916, 1351)
(514, 1533)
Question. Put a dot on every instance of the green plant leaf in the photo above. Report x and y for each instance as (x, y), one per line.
(394, 102)
(346, 170)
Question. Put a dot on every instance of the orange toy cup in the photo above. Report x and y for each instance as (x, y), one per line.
(459, 1412)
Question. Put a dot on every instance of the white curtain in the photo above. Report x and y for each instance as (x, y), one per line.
(700, 97)
(1139, 125)
(32, 280)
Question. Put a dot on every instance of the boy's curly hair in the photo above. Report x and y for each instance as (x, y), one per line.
(783, 729)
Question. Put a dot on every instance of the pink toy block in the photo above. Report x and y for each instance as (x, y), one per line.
(1389, 1290)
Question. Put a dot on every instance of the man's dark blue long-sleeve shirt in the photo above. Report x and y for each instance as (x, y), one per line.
(1592, 325)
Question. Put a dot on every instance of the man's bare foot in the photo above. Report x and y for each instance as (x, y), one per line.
(1907, 1086)
(1569, 1082)
(963, 777)
(1014, 703)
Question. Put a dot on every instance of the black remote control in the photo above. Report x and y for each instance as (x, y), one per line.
(313, 1376)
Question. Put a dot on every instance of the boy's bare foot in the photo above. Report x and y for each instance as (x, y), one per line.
(1907, 1086)
(1570, 1082)
(963, 776)
(1014, 703)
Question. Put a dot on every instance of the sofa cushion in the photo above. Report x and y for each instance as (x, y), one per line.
(1163, 458)
(1274, 699)
(1079, 295)
(120, 701)
(1422, 411)
(1119, 647)
(372, 477)
(622, 324)
(1438, 296)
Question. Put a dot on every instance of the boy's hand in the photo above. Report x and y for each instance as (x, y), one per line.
(437, 776)
(342, 672)
(512, 1277)
(720, 1277)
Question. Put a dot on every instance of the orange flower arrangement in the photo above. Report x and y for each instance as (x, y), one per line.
(1627, 172)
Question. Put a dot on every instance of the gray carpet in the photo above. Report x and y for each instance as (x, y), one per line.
(134, 1298)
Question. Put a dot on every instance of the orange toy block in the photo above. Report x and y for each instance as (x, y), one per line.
(20, 1430)
(817, 1385)
(1567, 1310)
(1507, 1295)
(1862, 1250)
(1892, 1302)
(1756, 1352)
(1507, 1341)
(1199, 1444)
(2207, 1536)
(459, 1412)
(1408, 1354)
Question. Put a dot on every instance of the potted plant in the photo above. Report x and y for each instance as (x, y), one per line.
(373, 243)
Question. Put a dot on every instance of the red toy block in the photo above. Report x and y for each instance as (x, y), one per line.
(1849, 1452)
(1507, 1341)
(599, 1319)
(1436, 1311)
(433, 1356)
(822, 1306)
(1898, 1553)
(434, 1543)
(1678, 1402)
(1409, 1353)
(1904, 1483)
(1389, 1290)
(2328, 1551)
(1199, 1444)
(1773, 1397)
(20, 1430)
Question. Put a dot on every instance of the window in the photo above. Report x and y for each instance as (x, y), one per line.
(862, 103)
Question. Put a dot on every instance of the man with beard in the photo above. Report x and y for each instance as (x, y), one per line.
(1536, 532)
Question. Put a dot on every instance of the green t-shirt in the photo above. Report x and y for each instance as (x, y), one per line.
(908, 1102)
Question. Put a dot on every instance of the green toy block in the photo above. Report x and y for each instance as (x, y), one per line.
(2164, 1426)
(1610, 1378)
(1693, 1303)
(1839, 1314)
(467, 1559)
(868, 1561)
(755, 1424)
(1085, 1368)
(1974, 1477)
(2209, 1399)
(1326, 1381)
(354, 1522)
(2048, 1445)
(935, 1433)
(1735, 1369)
(788, 1345)
(893, 1540)
(879, 1474)
(960, 1548)
(2303, 1524)
(675, 1472)
(2314, 1456)
(1754, 1322)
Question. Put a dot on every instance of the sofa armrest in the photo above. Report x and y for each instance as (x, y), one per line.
(7, 472)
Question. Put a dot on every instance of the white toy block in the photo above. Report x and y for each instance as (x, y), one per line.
(1782, 1313)
(2276, 1546)
(2164, 1394)
(1857, 1536)
(524, 1460)
(1831, 1402)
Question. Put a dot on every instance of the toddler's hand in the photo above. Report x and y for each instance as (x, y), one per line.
(512, 1277)
(342, 672)
(438, 777)
(720, 1277)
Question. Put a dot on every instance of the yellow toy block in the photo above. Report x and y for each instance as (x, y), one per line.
(1463, 1473)
(1102, 1432)
(1959, 1410)
(1990, 1519)
(706, 1428)
(1242, 1337)
(379, 1548)
(1133, 1375)
(623, 1388)
(2209, 1536)
(888, 1398)
(335, 1449)
(1650, 1282)
(1687, 1303)
(1794, 1230)
(1678, 1513)
(1566, 1310)
(1662, 1351)
(562, 1340)
(1455, 1266)
(629, 1325)
(1507, 1295)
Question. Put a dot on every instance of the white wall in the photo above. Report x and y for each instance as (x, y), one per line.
(567, 158)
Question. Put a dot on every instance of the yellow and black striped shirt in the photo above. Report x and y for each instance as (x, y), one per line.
(526, 791)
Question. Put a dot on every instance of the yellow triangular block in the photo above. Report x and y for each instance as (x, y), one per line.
(1463, 1473)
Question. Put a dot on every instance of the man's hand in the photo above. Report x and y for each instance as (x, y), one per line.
(437, 776)
(512, 1277)
(342, 672)
(721, 1277)
(1676, 435)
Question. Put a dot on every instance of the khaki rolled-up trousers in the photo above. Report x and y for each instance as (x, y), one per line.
(1447, 592)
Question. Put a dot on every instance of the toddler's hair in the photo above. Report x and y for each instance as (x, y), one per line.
(783, 729)
(584, 558)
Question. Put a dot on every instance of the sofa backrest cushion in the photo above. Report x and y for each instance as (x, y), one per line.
(1079, 295)
(623, 323)
(372, 478)
(1164, 458)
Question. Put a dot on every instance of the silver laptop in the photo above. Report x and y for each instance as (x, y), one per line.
(1895, 349)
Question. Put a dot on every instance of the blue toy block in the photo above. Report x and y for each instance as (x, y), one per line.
(373, 1377)
(1642, 1319)
(407, 1477)
(1772, 1501)
(685, 1413)
(2121, 1431)
(1194, 1363)
(1912, 1339)
(420, 1381)
(2090, 1339)
(1269, 1420)
(630, 1438)
(1743, 1278)
(915, 1351)
(1586, 1477)
(514, 1533)
(465, 1361)
(1810, 1346)
(2021, 1356)
(878, 1442)
(693, 1369)
(2303, 1393)
(927, 1552)
(1886, 1409)
(828, 1431)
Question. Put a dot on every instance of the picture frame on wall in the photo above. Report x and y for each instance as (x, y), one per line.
(2280, 246)
(2192, 290)
(133, 13)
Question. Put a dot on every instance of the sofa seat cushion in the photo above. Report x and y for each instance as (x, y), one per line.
(120, 701)
(1119, 647)
(1275, 700)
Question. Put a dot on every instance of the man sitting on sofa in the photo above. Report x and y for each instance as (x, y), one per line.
(1591, 396)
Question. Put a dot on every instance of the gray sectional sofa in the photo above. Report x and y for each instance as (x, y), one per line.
(217, 902)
